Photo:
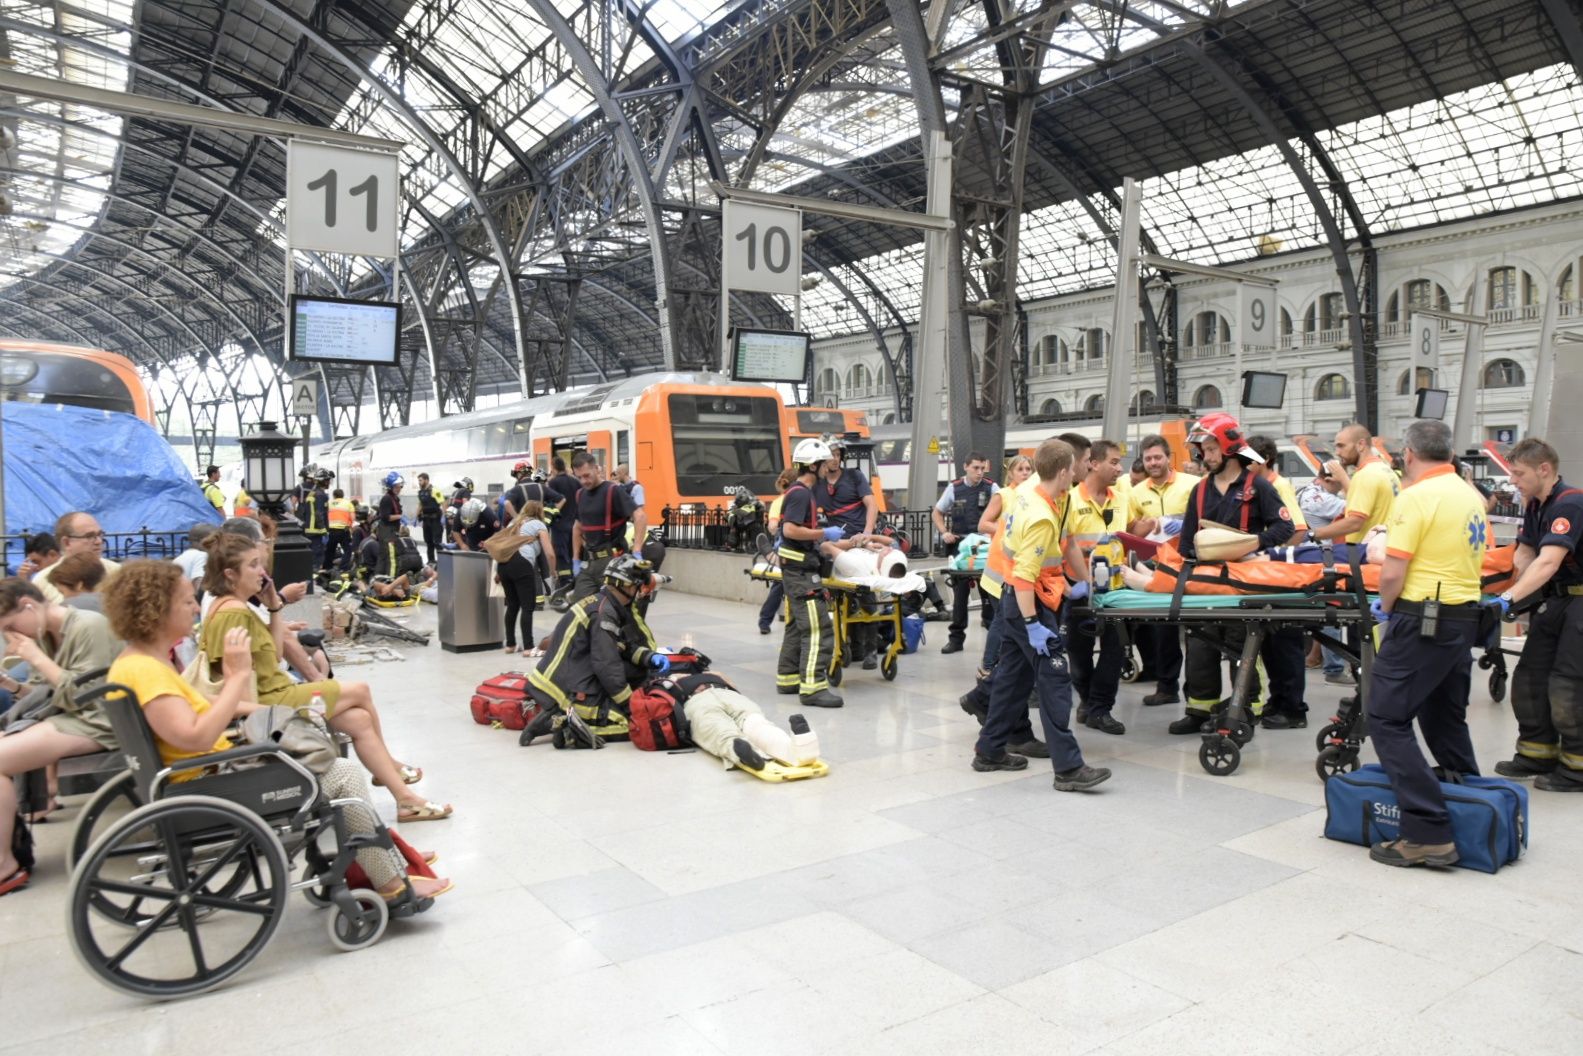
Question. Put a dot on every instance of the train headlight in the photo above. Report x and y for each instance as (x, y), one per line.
(16, 370)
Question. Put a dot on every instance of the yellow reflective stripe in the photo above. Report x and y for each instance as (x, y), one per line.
(538, 679)
(792, 555)
(621, 697)
(811, 667)
(786, 680)
(1202, 703)
(1535, 750)
(1572, 762)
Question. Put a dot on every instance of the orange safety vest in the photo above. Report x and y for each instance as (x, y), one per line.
(1050, 587)
(342, 513)
(243, 506)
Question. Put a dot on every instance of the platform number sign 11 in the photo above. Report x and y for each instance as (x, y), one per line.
(340, 200)
(762, 248)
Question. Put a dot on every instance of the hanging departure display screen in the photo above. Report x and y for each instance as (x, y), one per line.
(1263, 388)
(332, 330)
(770, 355)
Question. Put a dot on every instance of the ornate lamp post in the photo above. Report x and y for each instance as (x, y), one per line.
(269, 458)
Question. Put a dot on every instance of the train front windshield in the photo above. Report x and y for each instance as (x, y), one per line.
(51, 377)
(722, 442)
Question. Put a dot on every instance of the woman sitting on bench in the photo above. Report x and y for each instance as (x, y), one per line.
(151, 604)
(235, 572)
(59, 644)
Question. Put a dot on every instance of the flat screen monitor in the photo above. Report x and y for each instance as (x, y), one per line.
(770, 355)
(332, 330)
(1432, 403)
(1263, 388)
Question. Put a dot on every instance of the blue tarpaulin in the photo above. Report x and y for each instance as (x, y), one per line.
(112, 465)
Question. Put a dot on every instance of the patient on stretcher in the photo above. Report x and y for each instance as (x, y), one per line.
(734, 729)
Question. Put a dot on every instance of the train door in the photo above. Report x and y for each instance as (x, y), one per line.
(600, 447)
(543, 453)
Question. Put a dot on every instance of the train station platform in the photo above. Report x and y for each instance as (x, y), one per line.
(622, 901)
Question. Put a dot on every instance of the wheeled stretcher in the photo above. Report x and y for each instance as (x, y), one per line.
(852, 604)
(1341, 741)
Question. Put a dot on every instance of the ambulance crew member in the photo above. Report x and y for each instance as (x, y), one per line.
(1547, 687)
(1370, 491)
(431, 515)
(340, 516)
(1097, 513)
(961, 506)
(808, 643)
(1285, 651)
(1032, 655)
(1429, 605)
(1235, 494)
(1159, 498)
(847, 502)
(603, 509)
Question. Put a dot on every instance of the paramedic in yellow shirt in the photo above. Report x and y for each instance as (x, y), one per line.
(1370, 492)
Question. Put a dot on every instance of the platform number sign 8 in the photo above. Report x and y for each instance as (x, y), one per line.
(1425, 332)
(761, 248)
(340, 200)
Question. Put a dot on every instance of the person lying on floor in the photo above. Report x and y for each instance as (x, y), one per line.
(733, 729)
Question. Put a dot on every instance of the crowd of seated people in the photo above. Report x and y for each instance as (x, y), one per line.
(71, 611)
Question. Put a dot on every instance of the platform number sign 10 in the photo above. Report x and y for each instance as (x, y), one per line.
(762, 248)
(340, 200)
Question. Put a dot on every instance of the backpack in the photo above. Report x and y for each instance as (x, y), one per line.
(504, 701)
(658, 723)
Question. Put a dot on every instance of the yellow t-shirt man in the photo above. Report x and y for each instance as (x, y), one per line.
(1439, 527)
(1033, 535)
(1370, 493)
(149, 679)
(1094, 517)
(1168, 500)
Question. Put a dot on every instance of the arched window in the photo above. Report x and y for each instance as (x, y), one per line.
(1050, 406)
(1406, 385)
(1569, 285)
(1206, 397)
(1286, 324)
(1333, 387)
(1143, 401)
(1503, 374)
(1051, 351)
(858, 380)
(1208, 328)
(828, 383)
(1091, 345)
(1095, 404)
(1512, 288)
(889, 419)
(1421, 293)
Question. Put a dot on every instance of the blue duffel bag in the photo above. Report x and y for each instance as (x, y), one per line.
(1489, 815)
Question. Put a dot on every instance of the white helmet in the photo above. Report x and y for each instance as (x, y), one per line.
(472, 509)
(810, 452)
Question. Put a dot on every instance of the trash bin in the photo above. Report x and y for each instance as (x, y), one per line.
(469, 618)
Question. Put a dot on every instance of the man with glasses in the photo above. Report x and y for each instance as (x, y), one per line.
(77, 533)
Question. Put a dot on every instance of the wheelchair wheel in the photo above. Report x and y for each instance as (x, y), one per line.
(362, 924)
(887, 667)
(1336, 759)
(1329, 730)
(207, 897)
(1219, 755)
(110, 802)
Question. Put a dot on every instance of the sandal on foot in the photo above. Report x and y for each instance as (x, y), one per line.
(410, 775)
(425, 811)
(15, 882)
(396, 890)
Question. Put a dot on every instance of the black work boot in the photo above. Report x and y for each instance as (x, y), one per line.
(787, 691)
(976, 702)
(825, 698)
(1154, 700)
(1280, 720)
(747, 755)
(1520, 766)
(1008, 761)
(1104, 722)
(1081, 779)
(1192, 722)
(1407, 853)
(1033, 748)
(1560, 780)
(540, 725)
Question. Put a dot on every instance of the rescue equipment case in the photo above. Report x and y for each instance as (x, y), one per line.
(1489, 815)
(504, 699)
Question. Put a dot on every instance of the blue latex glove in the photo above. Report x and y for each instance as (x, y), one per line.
(660, 662)
(1503, 606)
(1042, 638)
(833, 534)
(1077, 591)
(1171, 526)
(1378, 612)
(577, 566)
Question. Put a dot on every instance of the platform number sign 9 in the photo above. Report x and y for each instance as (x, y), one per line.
(340, 200)
(762, 248)
(1424, 335)
(1260, 317)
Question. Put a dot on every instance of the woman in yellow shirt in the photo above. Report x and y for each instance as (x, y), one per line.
(1018, 470)
(151, 606)
(235, 573)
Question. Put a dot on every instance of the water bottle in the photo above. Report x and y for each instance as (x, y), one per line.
(1100, 574)
(317, 705)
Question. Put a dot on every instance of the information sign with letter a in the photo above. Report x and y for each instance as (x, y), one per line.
(304, 397)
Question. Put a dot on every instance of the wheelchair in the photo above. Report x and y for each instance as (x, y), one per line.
(183, 890)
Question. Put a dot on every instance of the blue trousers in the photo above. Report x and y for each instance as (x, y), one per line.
(1427, 680)
(772, 604)
(1018, 672)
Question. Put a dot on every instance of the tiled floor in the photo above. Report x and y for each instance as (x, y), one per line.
(625, 902)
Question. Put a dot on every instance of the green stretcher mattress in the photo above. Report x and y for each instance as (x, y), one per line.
(1125, 600)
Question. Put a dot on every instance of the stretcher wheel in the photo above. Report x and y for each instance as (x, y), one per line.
(837, 673)
(1329, 730)
(1219, 755)
(1486, 662)
(1129, 667)
(887, 667)
(1336, 759)
(1498, 686)
(363, 925)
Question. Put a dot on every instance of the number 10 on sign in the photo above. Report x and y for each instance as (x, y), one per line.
(761, 248)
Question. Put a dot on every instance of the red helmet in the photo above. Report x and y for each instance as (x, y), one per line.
(1225, 431)
(521, 468)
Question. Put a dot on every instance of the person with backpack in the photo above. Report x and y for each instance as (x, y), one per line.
(1233, 493)
(598, 653)
(705, 710)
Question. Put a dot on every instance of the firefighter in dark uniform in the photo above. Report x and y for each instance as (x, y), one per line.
(1547, 687)
(387, 518)
(957, 514)
(1234, 493)
(809, 642)
(431, 517)
(599, 652)
(565, 487)
(1429, 606)
(314, 513)
(603, 509)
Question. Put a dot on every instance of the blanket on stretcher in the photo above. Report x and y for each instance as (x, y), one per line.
(1276, 577)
